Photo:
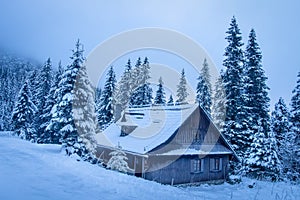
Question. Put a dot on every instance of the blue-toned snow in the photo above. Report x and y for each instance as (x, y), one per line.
(41, 172)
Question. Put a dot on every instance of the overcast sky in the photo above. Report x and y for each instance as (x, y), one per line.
(49, 28)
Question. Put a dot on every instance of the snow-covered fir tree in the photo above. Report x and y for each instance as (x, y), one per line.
(219, 103)
(203, 89)
(118, 161)
(295, 119)
(62, 122)
(50, 135)
(280, 126)
(42, 92)
(84, 110)
(142, 96)
(170, 100)
(160, 98)
(135, 78)
(262, 161)
(280, 122)
(98, 93)
(124, 88)
(235, 125)
(182, 89)
(145, 71)
(256, 89)
(142, 92)
(105, 108)
(33, 84)
(23, 114)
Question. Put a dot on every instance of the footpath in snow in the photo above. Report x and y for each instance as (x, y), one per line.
(40, 172)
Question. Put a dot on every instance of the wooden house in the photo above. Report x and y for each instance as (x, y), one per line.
(169, 144)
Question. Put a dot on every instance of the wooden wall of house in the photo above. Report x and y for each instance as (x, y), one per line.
(179, 171)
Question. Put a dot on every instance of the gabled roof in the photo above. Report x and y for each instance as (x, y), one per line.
(155, 125)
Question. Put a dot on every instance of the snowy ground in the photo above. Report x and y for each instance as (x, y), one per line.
(31, 171)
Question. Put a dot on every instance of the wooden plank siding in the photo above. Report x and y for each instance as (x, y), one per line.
(179, 171)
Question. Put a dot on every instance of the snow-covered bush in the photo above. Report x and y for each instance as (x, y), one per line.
(118, 161)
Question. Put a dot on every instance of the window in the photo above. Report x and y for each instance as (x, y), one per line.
(197, 165)
(215, 164)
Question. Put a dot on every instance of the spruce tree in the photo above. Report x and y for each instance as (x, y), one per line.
(33, 84)
(256, 89)
(105, 108)
(204, 88)
(23, 114)
(170, 101)
(295, 119)
(280, 127)
(160, 98)
(135, 78)
(182, 89)
(49, 135)
(124, 88)
(142, 96)
(62, 122)
(219, 103)
(42, 92)
(85, 117)
(235, 126)
(262, 160)
(142, 92)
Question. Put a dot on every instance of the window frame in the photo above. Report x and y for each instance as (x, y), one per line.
(197, 166)
(215, 164)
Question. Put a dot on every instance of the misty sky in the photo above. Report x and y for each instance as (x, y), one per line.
(49, 28)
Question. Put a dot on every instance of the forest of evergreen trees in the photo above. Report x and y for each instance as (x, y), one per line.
(58, 105)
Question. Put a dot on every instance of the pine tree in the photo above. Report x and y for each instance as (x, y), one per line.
(256, 89)
(170, 101)
(160, 98)
(42, 92)
(118, 161)
(23, 114)
(124, 88)
(182, 89)
(48, 135)
(284, 137)
(295, 119)
(204, 88)
(107, 101)
(62, 122)
(219, 103)
(235, 126)
(85, 117)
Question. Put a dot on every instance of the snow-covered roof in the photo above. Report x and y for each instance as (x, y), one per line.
(154, 126)
(203, 150)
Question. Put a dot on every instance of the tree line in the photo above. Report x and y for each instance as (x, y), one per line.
(62, 107)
